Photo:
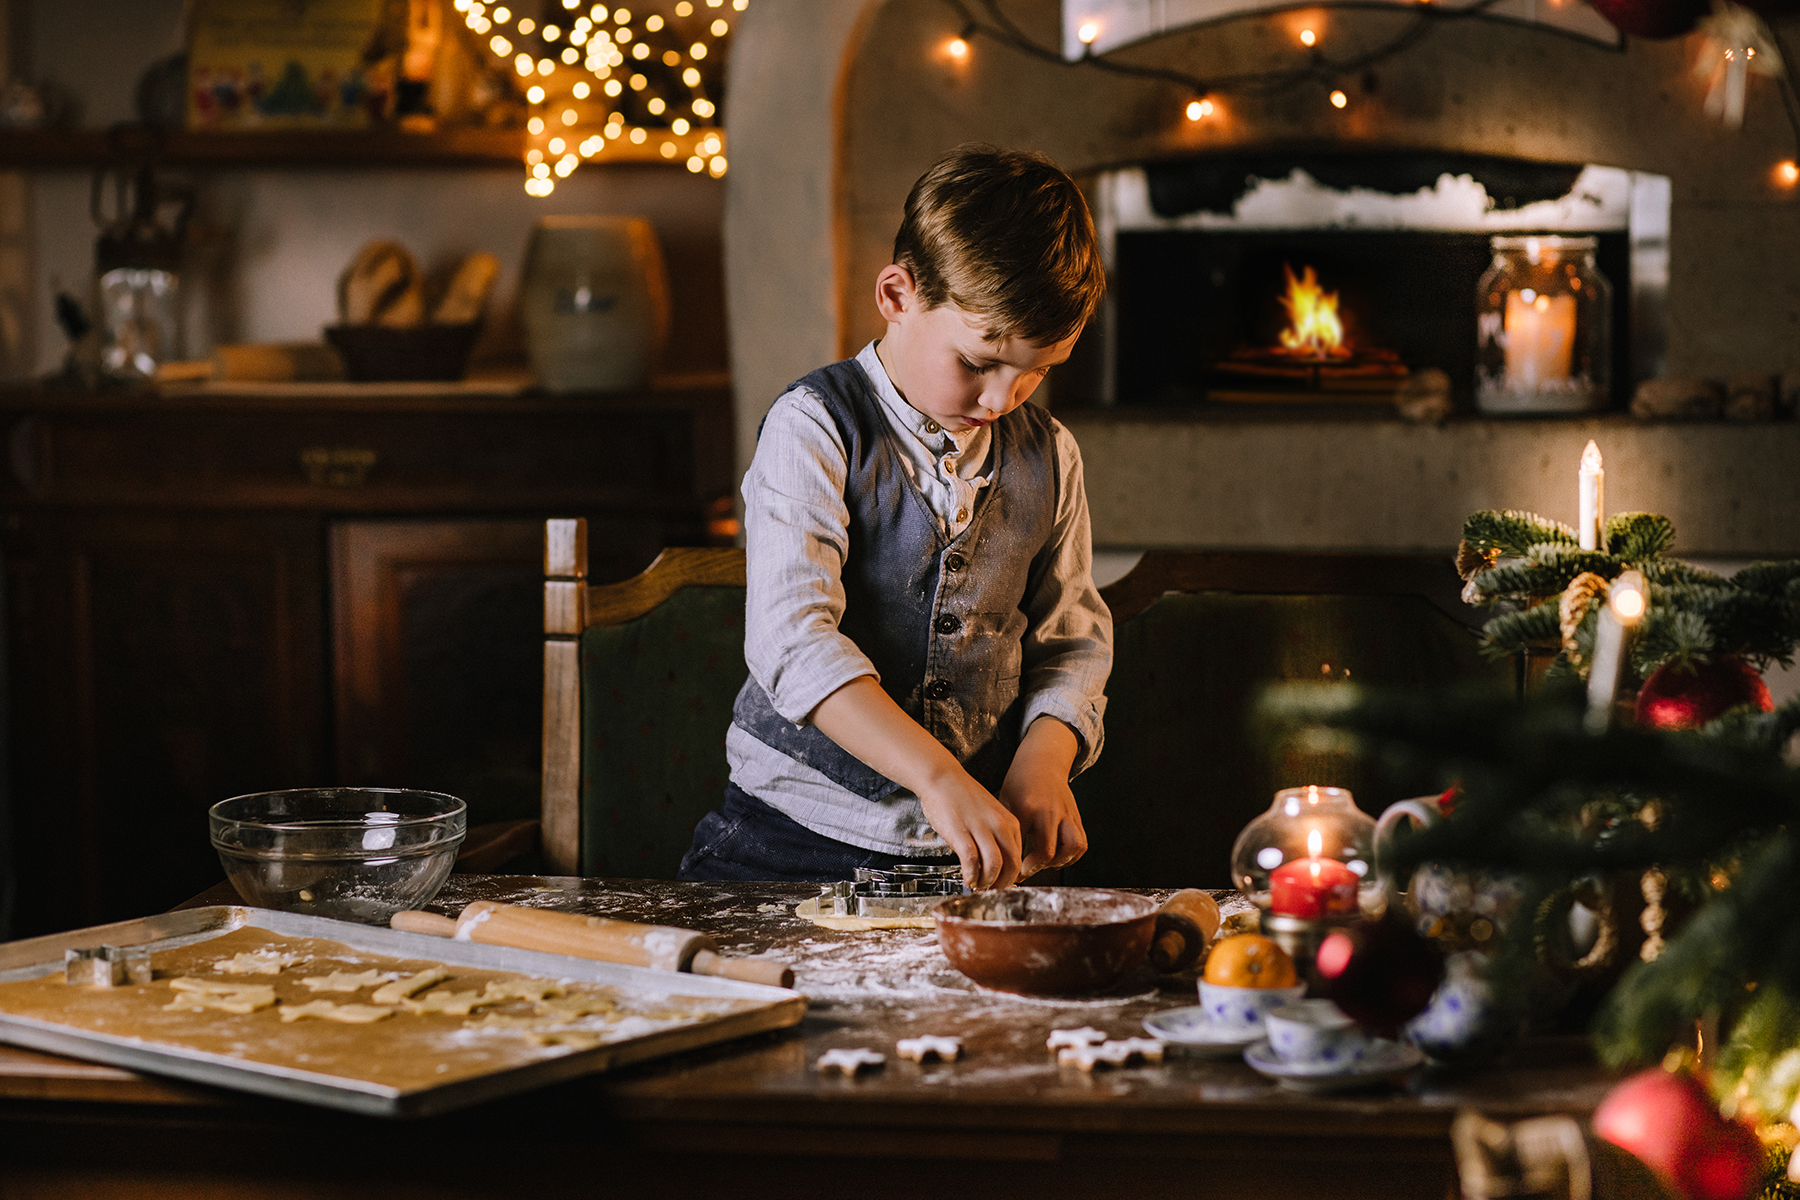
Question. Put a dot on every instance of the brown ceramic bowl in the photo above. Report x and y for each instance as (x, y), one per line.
(1046, 941)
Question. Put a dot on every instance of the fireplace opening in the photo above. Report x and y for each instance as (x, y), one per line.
(1200, 314)
(1334, 279)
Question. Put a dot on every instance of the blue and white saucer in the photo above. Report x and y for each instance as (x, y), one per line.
(1201, 1036)
(1384, 1062)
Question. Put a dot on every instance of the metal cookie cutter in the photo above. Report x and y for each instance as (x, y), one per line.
(107, 966)
(904, 890)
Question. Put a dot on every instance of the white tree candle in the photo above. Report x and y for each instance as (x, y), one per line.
(1592, 481)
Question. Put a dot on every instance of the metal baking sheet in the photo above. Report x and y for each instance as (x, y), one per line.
(35, 957)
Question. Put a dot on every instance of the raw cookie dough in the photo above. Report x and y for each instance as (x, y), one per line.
(408, 985)
(456, 1004)
(345, 981)
(234, 998)
(325, 1010)
(256, 962)
(851, 1062)
(520, 989)
(575, 1006)
(944, 1049)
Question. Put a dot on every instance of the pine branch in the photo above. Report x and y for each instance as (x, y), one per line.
(1512, 632)
(1545, 570)
(1636, 537)
(1768, 731)
(1671, 572)
(1669, 635)
(1768, 578)
(1513, 532)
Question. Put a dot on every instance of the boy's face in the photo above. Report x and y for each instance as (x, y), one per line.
(944, 366)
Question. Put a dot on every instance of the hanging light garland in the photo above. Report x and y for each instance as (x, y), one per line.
(598, 76)
(1738, 44)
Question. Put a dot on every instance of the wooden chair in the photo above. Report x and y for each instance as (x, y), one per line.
(639, 679)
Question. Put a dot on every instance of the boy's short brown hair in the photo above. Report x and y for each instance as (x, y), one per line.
(1005, 236)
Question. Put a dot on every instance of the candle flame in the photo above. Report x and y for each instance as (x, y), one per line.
(1313, 325)
(1315, 842)
(1590, 457)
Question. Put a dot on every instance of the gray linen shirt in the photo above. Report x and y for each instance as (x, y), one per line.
(796, 536)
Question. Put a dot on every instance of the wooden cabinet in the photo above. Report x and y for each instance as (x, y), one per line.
(212, 593)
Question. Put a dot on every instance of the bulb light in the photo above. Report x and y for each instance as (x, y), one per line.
(1339, 100)
(653, 22)
(697, 51)
(720, 28)
(581, 90)
(535, 125)
(958, 48)
(526, 24)
(570, 56)
(1087, 33)
(500, 46)
(503, 15)
(568, 116)
(1197, 109)
(1787, 173)
(684, 9)
(1308, 37)
(535, 94)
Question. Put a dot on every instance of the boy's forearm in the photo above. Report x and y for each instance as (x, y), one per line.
(1049, 746)
(863, 719)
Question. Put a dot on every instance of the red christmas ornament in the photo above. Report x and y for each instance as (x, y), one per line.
(1687, 695)
(1653, 18)
(1670, 1123)
(1381, 973)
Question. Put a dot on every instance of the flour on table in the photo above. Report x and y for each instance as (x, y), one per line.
(575, 1006)
(409, 985)
(257, 962)
(345, 981)
(326, 1010)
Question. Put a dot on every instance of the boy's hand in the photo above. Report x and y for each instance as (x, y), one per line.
(1037, 792)
(983, 833)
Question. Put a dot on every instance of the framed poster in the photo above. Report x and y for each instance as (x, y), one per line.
(259, 64)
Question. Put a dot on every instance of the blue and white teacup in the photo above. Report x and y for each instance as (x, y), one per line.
(1315, 1033)
(1244, 1007)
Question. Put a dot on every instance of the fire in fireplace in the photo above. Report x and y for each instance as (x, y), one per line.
(1313, 359)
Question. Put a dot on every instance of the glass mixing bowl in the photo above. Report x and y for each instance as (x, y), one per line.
(357, 854)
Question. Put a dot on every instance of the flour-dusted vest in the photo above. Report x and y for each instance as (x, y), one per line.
(941, 619)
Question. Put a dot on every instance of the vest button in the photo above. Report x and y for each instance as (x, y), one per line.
(954, 562)
(937, 689)
(948, 624)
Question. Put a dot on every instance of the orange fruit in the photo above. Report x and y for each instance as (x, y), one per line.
(1249, 960)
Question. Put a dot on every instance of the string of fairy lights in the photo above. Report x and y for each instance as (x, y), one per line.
(1206, 94)
(601, 75)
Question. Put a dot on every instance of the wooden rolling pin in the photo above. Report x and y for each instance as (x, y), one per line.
(662, 947)
(1184, 925)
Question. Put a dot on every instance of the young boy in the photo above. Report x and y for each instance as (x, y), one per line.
(927, 649)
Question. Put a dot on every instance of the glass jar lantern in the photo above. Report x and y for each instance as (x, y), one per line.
(1543, 328)
(1307, 863)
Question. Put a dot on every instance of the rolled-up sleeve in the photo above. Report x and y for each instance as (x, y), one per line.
(796, 536)
(1068, 642)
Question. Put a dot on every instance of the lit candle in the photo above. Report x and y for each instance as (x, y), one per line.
(1625, 606)
(1540, 338)
(1313, 886)
(1593, 497)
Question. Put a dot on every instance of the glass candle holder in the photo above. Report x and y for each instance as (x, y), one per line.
(1543, 328)
(1307, 863)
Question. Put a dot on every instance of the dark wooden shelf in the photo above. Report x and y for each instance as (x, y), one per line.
(21, 148)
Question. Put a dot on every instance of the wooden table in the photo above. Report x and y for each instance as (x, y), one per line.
(755, 1118)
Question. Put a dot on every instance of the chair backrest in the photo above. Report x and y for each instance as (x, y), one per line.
(1197, 635)
(639, 679)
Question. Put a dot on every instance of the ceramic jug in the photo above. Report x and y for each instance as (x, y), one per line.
(594, 302)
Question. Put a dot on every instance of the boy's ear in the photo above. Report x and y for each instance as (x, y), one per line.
(895, 292)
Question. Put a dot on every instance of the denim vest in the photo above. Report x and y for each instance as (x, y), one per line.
(940, 619)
